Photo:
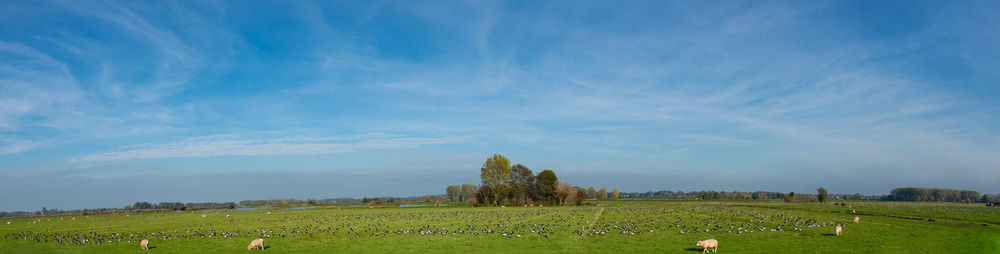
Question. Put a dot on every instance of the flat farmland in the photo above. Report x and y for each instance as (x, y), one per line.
(625, 226)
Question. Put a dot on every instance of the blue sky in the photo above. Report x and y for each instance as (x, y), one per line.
(105, 103)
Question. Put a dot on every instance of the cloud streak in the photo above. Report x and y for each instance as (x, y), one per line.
(228, 145)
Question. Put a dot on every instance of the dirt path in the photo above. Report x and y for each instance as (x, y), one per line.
(597, 215)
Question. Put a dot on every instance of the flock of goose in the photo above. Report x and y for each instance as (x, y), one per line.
(510, 223)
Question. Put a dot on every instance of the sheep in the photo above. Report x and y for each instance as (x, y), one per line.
(853, 212)
(839, 230)
(857, 219)
(144, 244)
(256, 243)
(268, 212)
(203, 216)
(8, 222)
(708, 244)
(227, 216)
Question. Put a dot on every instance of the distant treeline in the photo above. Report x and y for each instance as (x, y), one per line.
(296, 202)
(736, 195)
(46, 211)
(936, 195)
(525, 189)
(178, 205)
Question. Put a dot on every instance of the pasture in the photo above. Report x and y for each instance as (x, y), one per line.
(626, 226)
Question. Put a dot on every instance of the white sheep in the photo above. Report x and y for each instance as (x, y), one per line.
(708, 244)
(203, 216)
(144, 244)
(256, 243)
(839, 229)
(8, 222)
(857, 219)
(227, 216)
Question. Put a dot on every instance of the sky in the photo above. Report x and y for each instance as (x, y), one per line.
(105, 103)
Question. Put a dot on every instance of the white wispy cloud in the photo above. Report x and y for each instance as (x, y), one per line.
(17, 146)
(233, 145)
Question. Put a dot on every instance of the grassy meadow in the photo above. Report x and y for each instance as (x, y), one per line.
(625, 226)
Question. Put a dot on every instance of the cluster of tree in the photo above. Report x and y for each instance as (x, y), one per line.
(178, 206)
(425, 198)
(462, 192)
(933, 195)
(503, 183)
(296, 202)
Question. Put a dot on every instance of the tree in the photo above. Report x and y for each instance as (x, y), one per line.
(857, 196)
(454, 192)
(545, 186)
(591, 192)
(496, 174)
(615, 194)
(602, 194)
(790, 197)
(581, 195)
(821, 194)
(468, 191)
(565, 193)
(521, 181)
(984, 199)
(142, 205)
(485, 195)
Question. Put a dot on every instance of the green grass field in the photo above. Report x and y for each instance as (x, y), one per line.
(601, 227)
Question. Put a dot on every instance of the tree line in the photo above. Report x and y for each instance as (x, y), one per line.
(935, 195)
(738, 195)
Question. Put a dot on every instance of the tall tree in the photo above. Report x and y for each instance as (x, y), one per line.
(821, 194)
(545, 186)
(468, 191)
(496, 174)
(602, 194)
(453, 192)
(614, 194)
(521, 181)
(591, 192)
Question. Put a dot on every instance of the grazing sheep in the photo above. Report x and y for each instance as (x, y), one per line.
(203, 216)
(144, 244)
(227, 216)
(708, 244)
(268, 212)
(256, 243)
(8, 222)
(839, 229)
(857, 219)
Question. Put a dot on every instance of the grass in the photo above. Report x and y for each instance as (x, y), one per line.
(604, 227)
